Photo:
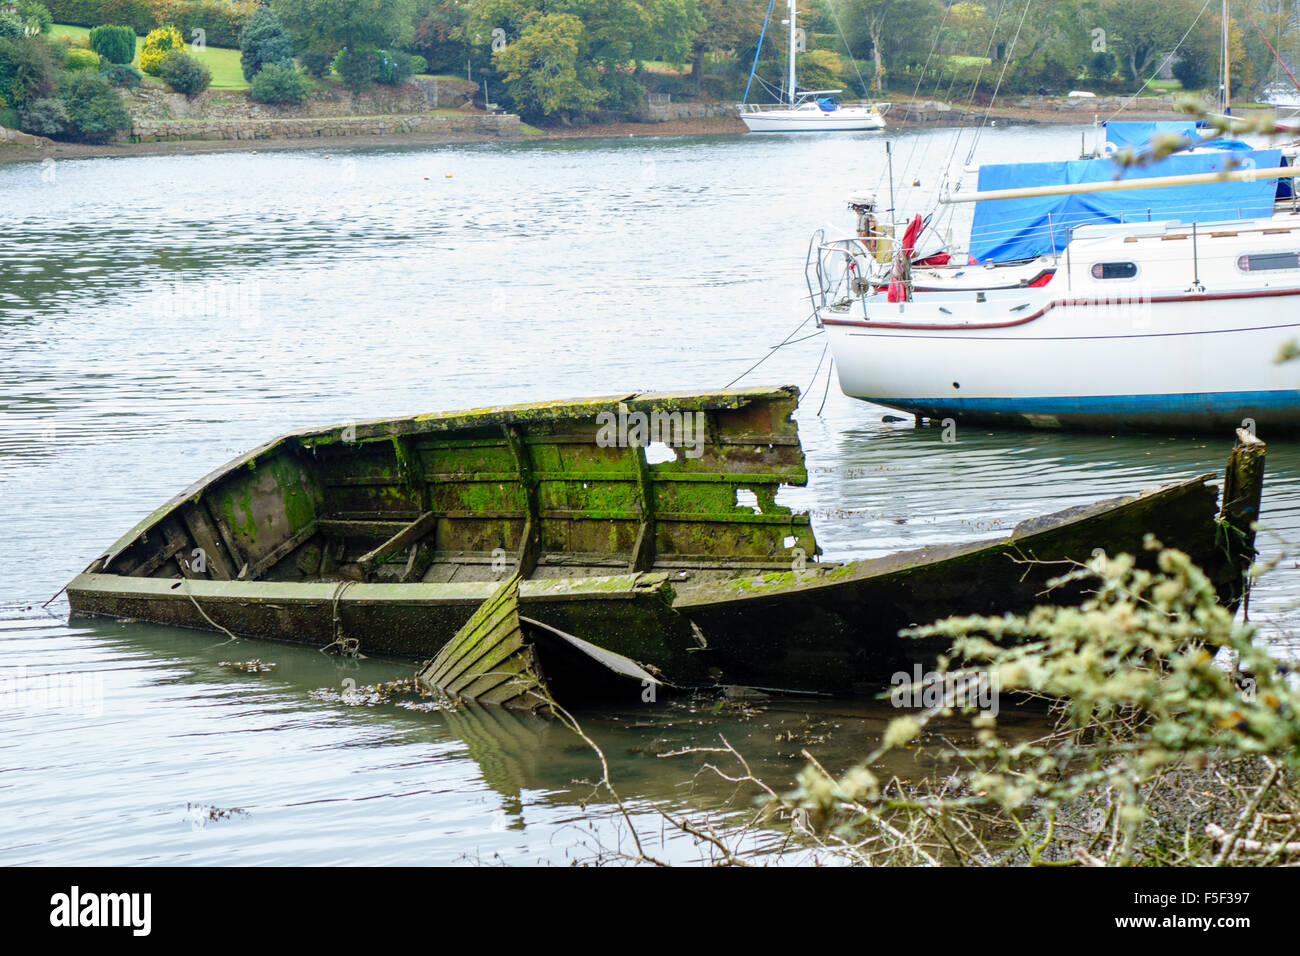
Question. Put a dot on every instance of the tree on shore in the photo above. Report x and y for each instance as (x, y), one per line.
(359, 27)
(263, 42)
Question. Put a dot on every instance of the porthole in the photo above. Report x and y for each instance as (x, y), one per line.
(1114, 270)
(1269, 262)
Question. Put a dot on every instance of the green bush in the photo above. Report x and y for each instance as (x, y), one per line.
(45, 117)
(121, 74)
(11, 28)
(185, 73)
(77, 59)
(28, 72)
(115, 44)
(392, 68)
(1193, 72)
(278, 84)
(95, 110)
(316, 62)
(358, 68)
(35, 14)
(263, 42)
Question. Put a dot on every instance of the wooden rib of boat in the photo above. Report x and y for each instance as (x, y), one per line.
(392, 534)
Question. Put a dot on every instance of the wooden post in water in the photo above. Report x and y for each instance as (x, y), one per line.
(1243, 486)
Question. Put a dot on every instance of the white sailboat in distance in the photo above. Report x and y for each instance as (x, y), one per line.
(808, 111)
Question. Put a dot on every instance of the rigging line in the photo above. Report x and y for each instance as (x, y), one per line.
(917, 89)
(979, 75)
(1006, 61)
(829, 372)
(1168, 58)
(772, 351)
(834, 16)
(1246, 9)
(758, 49)
(808, 390)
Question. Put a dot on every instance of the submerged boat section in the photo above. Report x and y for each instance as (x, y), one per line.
(583, 545)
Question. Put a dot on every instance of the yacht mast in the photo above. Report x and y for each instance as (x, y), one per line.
(1226, 87)
(792, 49)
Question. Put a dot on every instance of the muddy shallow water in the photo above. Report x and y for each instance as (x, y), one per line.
(159, 315)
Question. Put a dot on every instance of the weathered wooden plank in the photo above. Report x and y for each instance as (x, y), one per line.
(526, 559)
(278, 553)
(172, 545)
(399, 542)
(206, 536)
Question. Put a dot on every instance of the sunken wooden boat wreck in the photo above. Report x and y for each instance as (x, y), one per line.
(389, 536)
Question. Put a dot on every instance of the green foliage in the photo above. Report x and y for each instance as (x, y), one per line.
(316, 61)
(28, 72)
(184, 73)
(121, 74)
(440, 36)
(278, 84)
(11, 28)
(45, 117)
(76, 59)
(542, 70)
(358, 68)
(1149, 716)
(394, 67)
(95, 110)
(36, 15)
(821, 70)
(157, 44)
(220, 20)
(115, 44)
(357, 25)
(264, 41)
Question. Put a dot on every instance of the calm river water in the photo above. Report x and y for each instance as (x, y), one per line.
(159, 315)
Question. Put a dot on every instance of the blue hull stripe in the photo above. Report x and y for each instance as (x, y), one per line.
(1279, 407)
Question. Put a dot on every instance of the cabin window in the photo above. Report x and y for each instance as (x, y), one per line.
(1269, 261)
(1114, 270)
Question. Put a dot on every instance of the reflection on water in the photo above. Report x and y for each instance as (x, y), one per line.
(159, 315)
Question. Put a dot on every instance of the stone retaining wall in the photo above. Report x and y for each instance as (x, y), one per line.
(494, 124)
(663, 112)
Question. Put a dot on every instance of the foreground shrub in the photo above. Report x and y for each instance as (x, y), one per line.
(185, 73)
(121, 74)
(95, 110)
(77, 59)
(157, 45)
(45, 117)
(263, 42)
(115, 44)
(1164, 755)
(278, 84)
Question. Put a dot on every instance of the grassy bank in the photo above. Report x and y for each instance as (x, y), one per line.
(224, 63)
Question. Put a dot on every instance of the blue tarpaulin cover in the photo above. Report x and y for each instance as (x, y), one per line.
(1121, 133)
(828, 104)
(1005, 230)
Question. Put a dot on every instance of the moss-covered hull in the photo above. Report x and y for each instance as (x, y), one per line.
(389, 535)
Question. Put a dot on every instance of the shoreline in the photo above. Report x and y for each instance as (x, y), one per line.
(710, 126)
